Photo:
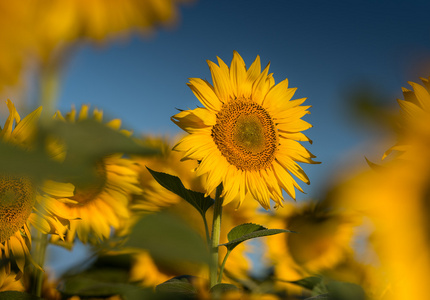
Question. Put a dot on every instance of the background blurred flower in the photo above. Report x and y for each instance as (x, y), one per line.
(99, 207)
(245, 136)
(322, 241)
(24, 200)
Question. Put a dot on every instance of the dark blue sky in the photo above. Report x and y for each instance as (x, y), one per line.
(322, 47)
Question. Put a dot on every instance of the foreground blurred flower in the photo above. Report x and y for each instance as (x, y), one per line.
(246, 135)
(156, 197)
(101, 206)
(414, 122)
(394, 196)
(47, 30)
(57, 24)
(25, 202)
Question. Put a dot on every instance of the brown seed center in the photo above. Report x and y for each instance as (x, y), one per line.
(246, 135)
(87, 193)
(17, 198)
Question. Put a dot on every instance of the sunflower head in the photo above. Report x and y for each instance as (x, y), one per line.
(246, 137)
(101, 206)
(414, 126)
(23, 200)
(17, 198)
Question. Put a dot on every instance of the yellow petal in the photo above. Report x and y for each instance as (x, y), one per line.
(221, 82)
(237, 74)
(422, 95)
(204, 91)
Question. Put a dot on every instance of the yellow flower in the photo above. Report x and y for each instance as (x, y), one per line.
(414, 116)
(322, 241)
(25, 202)
(49, 29)
(246, 135)
(8, 282)
(156, 197)
(98, 208)
(394, 198)
(58, 23)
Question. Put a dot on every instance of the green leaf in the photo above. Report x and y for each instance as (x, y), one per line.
(174, 184)
(15, 295)
(168, 239)
(345, 291)
(308, 282)
(320, 297)
(92, 139)
(219, 289)
(248, 231)
(86, 142)
(84, 286)
(35, 163)
(178, 286)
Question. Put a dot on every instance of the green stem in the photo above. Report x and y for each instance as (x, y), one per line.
(49, 88)
(41, 242)
(216, 230)
(222, 266)
(208, 238)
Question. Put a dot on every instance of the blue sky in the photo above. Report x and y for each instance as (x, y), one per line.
(322, 47)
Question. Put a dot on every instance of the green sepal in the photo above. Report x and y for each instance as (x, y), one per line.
(175, 185)
(248, 231)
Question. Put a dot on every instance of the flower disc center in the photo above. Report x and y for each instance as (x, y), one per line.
(17, 198)
(245, 135)
(86, 193)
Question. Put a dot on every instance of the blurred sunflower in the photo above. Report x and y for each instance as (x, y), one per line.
(47, 29)
(395, 198)
(24, 201)
(156, 197)
(414, 115)
(246, 135)
(8, 281)
(102, 205)
(322, 240)
(57, 24)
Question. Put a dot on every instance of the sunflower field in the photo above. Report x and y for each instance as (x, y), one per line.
(112, 187)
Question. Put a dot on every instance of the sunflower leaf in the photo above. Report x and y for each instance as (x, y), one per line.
(175, 185)
(308, 282)
(15, 295)
(180, 285)
(219, 289)
(168, 240)
(248, 231)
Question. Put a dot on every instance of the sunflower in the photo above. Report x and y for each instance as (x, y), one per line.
(8, 282)
(24, 202)
(155, 197)
(246, 135)
(98, 208)
(323, 240)
(55, 24)
(414, 127)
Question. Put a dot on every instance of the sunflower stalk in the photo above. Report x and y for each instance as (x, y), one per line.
(41, 242)
(216, 230)
(221, 271)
